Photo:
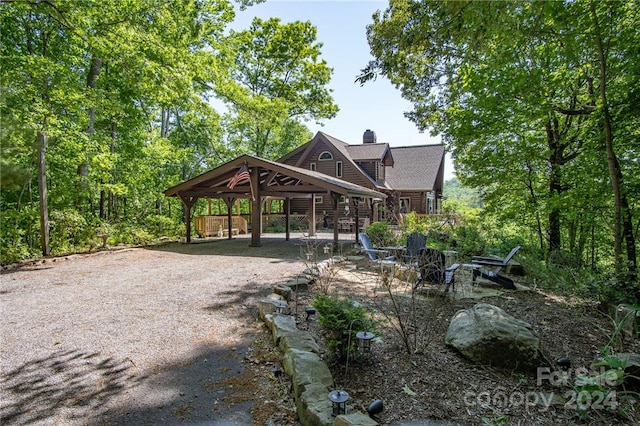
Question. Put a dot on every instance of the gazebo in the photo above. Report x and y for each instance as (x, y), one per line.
(261, 178)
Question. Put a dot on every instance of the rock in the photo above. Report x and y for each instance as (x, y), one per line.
(313, 406)
(486, 334)
(284, 291)
(354, 419)
(306, 368)
(269, 306)
(300, 283)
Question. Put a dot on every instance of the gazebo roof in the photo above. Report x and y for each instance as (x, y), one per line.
(276, 180)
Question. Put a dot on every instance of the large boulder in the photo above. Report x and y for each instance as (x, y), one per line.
(485, 334)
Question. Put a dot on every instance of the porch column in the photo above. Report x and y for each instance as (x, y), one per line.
(356, 208)
(287, 218)
(188, 202)
(229, 202)
(335, 198)
(312, 215)
(256, 208)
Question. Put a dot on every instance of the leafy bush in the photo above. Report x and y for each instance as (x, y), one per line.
(341, 318)
(274, 229)
(380, 234)
(69, 230)
(161, 225)
(19, 234)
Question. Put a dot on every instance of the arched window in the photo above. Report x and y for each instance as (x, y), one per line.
(325, 155)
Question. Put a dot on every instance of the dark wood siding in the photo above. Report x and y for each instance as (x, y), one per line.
(417, 200)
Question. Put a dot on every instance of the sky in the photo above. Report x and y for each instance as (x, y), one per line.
(341, 26)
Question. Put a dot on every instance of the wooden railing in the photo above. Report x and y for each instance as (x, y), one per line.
(297, 222)
(214, 225)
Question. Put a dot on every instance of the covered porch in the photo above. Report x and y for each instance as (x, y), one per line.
(264, 179)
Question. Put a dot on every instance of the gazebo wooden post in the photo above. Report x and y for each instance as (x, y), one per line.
(287, 218)
(229, 202)
(356, 208)
(335, 197)
(312, 215)
(256, 207)
(188, 202)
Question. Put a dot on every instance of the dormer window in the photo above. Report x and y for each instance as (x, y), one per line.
(326, 155)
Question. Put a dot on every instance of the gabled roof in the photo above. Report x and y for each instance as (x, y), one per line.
(416, 167)
(371, 152)
(341, 147)
(275, 179)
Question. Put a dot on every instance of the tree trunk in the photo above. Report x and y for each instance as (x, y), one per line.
(555, 186)
(42, 190)
(83, 168)
(623, 227)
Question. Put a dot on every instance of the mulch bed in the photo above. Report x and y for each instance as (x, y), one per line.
(431, 381)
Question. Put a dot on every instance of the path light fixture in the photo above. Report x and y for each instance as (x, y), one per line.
(338, 400)
(281, 308)
(309, 312)
(375, 407)
(364, 341)
(326, 249)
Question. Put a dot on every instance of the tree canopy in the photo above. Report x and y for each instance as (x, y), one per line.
(517, 90)
(107, 103)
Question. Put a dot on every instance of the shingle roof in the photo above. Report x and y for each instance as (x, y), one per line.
(368, 151)
(416, 167)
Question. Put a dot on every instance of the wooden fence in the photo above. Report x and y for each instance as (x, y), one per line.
(207, 226)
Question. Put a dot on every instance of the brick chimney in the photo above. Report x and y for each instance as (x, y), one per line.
(369, 136)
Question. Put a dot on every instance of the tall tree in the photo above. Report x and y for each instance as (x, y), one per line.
(276, 76)
(511, 87)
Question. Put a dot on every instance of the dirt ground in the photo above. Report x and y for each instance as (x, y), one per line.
(169, 335)
(432, 381)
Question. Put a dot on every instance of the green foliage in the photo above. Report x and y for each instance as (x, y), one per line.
(274, 229)
(162, 226)
(69, 230)
(341, 319)
(524, 123)
(381, 234)
(463, 198)
(276, 82)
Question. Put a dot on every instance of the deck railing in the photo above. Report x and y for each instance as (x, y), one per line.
(214, 225)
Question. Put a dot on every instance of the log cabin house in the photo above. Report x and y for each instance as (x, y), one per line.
(412, 177)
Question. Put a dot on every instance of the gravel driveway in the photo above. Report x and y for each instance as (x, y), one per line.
(134, 336)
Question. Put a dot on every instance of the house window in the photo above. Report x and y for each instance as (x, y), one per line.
(338, 168)
(319, 200)
(325, 155)
(405, 205)
(312, 167)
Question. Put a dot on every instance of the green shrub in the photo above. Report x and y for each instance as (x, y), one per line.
(340, 318)
(274, 229)
(160, 225)
(69, 230)
(381, 235)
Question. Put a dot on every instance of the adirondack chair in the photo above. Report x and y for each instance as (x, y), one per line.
(432, 269)
(415, 243)
(376, 255)
(490, 268)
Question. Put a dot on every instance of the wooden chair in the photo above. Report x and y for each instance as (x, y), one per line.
(490, 268)
(415, 243)
(432, 269)
(376, 255)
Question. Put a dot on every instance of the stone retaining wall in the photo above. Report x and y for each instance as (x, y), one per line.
(311, 378)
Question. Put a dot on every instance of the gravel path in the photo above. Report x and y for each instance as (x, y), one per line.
(135, 336)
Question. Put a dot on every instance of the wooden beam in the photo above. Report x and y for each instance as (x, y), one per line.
(256, 208)
(188, 202)
(335, 197)
(287, 219)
